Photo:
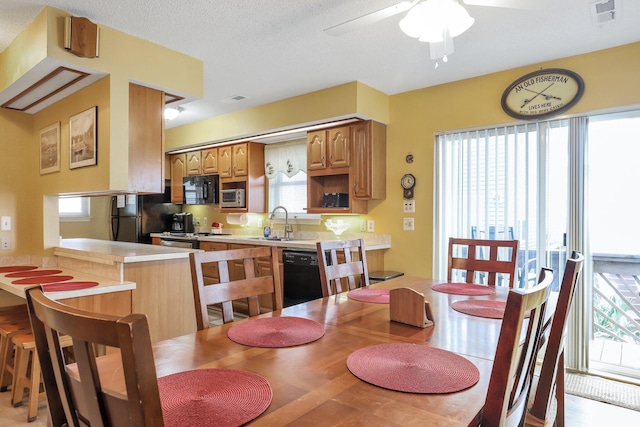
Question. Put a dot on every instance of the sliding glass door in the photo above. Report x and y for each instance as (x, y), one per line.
(614, 236)
(556, 186)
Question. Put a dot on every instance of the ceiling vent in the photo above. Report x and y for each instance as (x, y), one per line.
(604, 11)
(233, 99)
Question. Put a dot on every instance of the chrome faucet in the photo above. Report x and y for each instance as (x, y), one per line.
(288, 229)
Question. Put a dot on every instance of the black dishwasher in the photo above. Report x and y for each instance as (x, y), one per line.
(301, 276)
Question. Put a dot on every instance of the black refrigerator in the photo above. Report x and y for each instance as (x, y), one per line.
(134, 217)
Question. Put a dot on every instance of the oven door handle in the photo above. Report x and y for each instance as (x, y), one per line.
(176, 244)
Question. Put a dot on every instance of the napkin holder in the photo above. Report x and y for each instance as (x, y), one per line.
(409, 306)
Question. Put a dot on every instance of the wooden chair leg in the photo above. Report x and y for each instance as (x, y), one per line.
(20, 365)
(34, 387)
(560, 391)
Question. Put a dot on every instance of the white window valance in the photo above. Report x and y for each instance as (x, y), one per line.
(288, 157)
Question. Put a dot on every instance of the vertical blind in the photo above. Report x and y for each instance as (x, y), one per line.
(499, 183)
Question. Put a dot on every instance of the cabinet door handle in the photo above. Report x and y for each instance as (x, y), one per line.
(322, 161)
(355, 186)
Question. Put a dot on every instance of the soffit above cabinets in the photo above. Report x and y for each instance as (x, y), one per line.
(45, 84)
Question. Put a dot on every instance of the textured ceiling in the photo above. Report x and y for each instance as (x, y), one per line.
(267, 50)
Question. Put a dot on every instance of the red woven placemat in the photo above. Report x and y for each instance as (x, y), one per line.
(67, 286)
(12, 268)
(41, 279)
(213, 397)
(481, 308)
(380, 296)
(413, 368)
(276, 332)
(34, 273)
(463, 289)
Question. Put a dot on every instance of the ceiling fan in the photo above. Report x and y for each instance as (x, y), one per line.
(404, 6)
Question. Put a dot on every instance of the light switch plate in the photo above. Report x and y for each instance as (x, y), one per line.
(409, 206)
(407, 224)
(5, 223)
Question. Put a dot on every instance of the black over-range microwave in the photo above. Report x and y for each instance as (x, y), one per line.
(200, 190)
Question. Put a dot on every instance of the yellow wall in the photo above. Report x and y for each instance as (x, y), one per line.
(345, 100)
(17, 195)
(610, 80)
(414, 118)
(30, 198)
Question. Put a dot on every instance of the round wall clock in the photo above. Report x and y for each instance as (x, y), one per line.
(408, 181)
(542, 94)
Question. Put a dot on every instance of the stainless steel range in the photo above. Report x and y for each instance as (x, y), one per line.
(180, 240)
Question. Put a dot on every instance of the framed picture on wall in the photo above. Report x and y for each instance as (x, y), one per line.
(50, 149)
(83, 139)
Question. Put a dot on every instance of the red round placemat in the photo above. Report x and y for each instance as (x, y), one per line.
(216, 397)
(41, 279)
(491, 309)
(463, 289)
(276, 332)
(380, 296)
(413, 368)
(67, 286)
(12, 268)
(34, 273)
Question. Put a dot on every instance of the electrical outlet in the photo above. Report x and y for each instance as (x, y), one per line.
(409, 206)
(196, 221)
(5, 223)
(407, 224)
(363, 225)
(205, 221)
(6, 243)
(370, 226)
(259, 222)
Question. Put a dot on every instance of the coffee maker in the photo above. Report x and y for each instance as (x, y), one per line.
(182, 222)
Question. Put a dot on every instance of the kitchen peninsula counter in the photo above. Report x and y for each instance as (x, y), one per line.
(162, 276)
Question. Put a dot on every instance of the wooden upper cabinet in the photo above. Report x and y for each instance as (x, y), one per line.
(356, 166)
(146, 140)
(369, 160)
(209, 161)
(194, 163)
(316, 150)
(224, 162)
(240, 160)
(178, 171)
(338, 147)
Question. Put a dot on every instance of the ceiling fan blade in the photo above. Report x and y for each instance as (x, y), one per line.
(370, 18)
(511, 4)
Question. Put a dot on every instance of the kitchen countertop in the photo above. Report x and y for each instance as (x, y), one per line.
(109, 252)
(104, 285)
(372, 242)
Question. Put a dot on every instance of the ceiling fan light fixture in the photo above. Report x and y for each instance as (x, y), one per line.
(427, 20)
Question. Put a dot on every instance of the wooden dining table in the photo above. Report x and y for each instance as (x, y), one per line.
(311, 383)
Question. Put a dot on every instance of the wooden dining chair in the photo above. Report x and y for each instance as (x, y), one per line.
(226, 291)
(467, 255)
(341, 265)
(515, 359)
(551, 378)
(74, 392)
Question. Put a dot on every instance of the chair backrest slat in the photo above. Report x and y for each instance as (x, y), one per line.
(74, 392)
(514, 362)
(465, 254)
(226, 291)
(554, 346)
(332, 275)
